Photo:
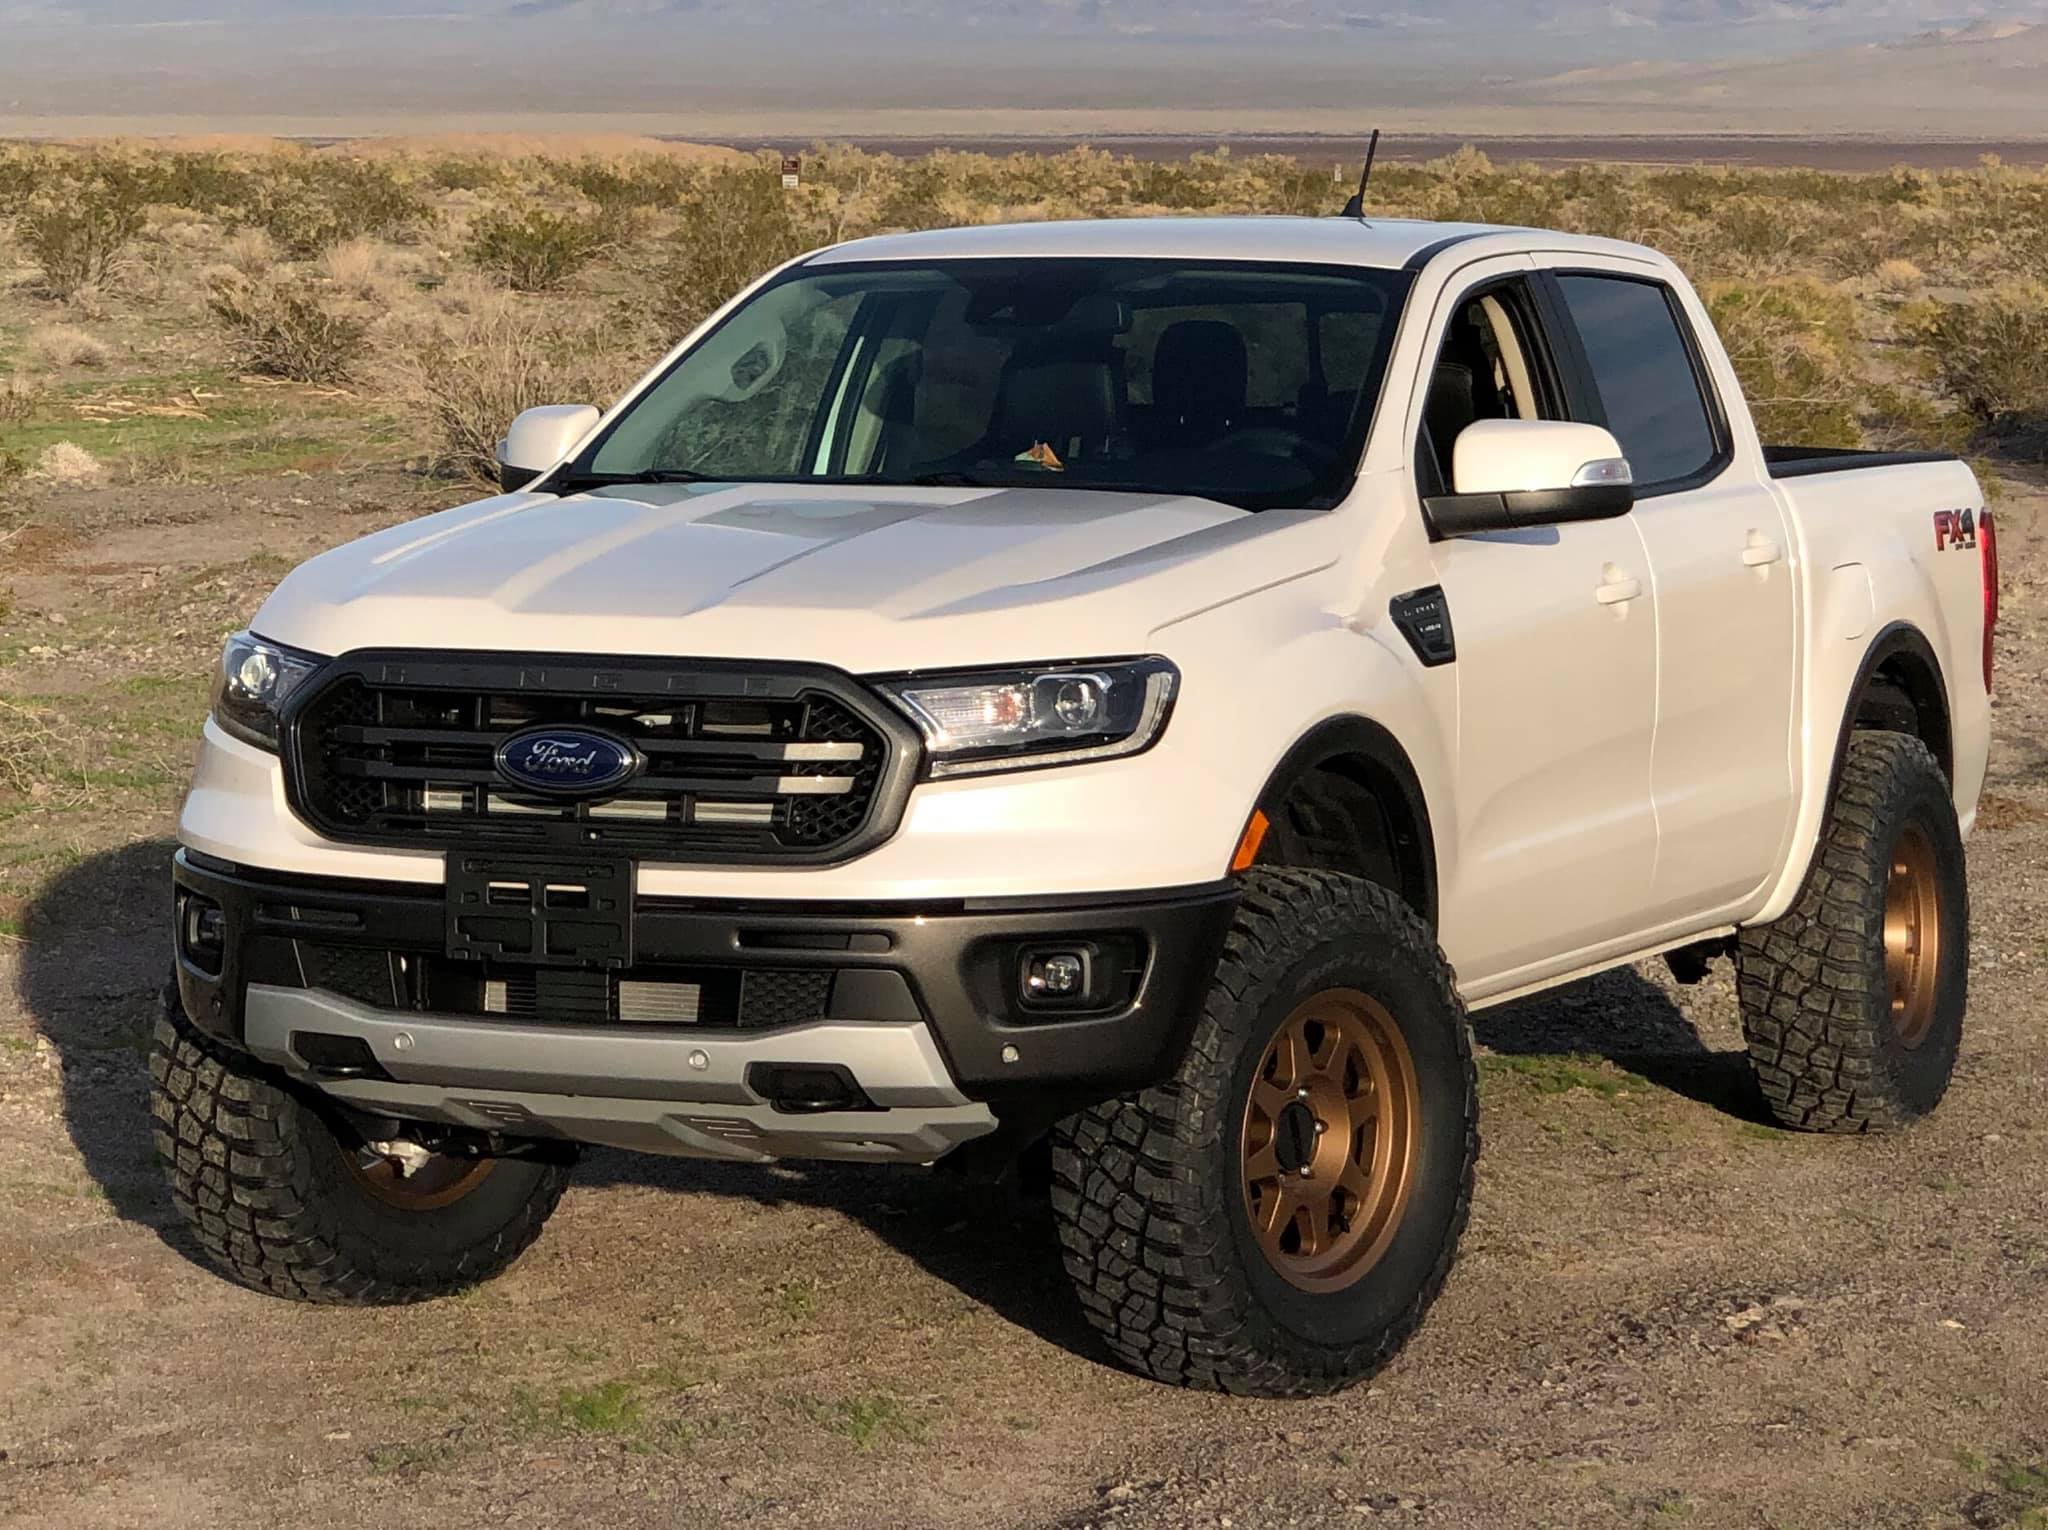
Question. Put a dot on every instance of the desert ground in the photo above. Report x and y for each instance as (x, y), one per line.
(1668, 1312)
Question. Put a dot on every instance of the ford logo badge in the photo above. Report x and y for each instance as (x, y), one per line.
(567, 762)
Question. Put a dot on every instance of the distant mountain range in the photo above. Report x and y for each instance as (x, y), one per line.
(1832, 20)
(792, 70)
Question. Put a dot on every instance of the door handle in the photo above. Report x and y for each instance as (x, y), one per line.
(1761, 552)
(1614, 591)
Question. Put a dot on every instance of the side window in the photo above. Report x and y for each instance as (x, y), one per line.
(1643, 368)
(1490, 367)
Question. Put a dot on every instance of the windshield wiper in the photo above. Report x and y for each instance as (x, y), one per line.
(576, 483)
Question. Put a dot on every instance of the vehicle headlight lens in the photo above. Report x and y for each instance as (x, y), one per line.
(256, 678)
(1055, 715)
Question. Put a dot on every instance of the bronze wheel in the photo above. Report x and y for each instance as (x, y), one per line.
(1853, 999)
(1331, 1135)
(1912, 934)
(1201, 1251)
(412, 1181)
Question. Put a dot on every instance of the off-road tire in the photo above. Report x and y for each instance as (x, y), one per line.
(1148, 1195)
(260, 1176)
(1816, 999)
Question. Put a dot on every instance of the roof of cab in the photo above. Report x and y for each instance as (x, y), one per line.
(1387, 243)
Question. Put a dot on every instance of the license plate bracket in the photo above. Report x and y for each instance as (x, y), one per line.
(561, 912)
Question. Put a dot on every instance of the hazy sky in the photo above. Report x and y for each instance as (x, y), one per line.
(677, 63)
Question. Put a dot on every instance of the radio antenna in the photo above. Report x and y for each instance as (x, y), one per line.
(1355, 208)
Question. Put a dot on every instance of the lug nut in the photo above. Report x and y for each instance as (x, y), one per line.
(1321, 1127)
(1301, 1093)
(1307, 1172)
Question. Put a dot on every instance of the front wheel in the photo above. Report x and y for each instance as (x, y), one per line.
(1276, 1218)
(283, 1197)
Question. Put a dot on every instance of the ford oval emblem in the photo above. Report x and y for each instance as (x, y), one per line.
(567, 762)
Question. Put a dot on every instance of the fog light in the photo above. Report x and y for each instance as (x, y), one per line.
(1056, 977)
(203, 933)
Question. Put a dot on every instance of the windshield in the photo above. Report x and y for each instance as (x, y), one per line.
(1250, 384)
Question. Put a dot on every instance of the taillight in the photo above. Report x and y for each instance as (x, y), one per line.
(1987, 548)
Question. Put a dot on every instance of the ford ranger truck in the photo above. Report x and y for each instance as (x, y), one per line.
(1122, 689)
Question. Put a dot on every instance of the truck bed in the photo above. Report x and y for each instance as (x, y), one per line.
(1805, 461)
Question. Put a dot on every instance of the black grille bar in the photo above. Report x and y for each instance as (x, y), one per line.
(745, 763)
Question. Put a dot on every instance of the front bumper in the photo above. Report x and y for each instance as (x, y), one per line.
(919, 1010)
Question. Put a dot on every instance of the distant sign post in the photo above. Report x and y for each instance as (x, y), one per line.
(792, 172)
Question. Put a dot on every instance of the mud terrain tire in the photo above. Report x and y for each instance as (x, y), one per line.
(1173, 1222)
(1852, 1002)
(272, 1190)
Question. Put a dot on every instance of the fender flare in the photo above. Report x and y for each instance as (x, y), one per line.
(1377, 762)
(1930, 699)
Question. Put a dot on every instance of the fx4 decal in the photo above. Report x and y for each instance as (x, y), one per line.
(1955, 529)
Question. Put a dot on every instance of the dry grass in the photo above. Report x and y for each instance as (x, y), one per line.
(59, 347)
(485, 358)
(1880, 308)
(65, 465)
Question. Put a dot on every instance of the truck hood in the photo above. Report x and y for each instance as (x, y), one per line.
(823, 573)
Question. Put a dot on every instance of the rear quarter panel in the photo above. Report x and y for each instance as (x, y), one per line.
(1868, 561)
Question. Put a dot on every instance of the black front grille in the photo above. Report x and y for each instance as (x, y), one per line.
(695, 996)
(743, 763)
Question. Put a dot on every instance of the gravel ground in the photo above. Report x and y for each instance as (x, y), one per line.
(1667, 1311)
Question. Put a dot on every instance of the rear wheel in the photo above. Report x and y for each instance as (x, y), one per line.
(1853, 1001)
(285, 1197)
(1276, 1218)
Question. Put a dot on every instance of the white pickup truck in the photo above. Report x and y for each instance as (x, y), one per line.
(1132, 685)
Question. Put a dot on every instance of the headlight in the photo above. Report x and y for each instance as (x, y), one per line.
(255, 679)
(1056, 715)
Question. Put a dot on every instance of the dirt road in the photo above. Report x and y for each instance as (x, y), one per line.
(1667, 1311)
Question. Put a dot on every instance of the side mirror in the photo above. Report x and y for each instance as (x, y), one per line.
(538, 439)
(1509, 473)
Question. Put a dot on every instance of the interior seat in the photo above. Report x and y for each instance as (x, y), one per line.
(1068, 404)
(1201, 382)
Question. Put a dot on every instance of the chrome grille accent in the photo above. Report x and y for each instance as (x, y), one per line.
(743, 763)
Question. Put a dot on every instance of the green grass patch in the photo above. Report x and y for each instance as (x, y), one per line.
(609, 1407)
(871, 1419)
(1757, 1131)
(1562, 1072)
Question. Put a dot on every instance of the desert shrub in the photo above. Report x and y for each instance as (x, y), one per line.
(76, 231)
(283, 329)
(19, 391)
(1986, 356)
(532, 249)
(308, 203)
(468, 373)
(250, 251)
(61, 346)
(638, 183)
(738, 224)
(1795, 346)
(465, 172)
(68, 466)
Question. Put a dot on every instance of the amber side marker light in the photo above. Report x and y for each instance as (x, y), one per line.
(1248, 842)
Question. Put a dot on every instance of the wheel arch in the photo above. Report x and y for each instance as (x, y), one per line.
(1353, 775)
(1899, 686)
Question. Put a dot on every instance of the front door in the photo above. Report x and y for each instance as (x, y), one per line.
(1556, 667)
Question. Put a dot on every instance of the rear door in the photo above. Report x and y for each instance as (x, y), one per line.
(1556, 672)
(1721, 772)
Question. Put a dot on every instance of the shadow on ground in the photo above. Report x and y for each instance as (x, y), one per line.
(1633, 1023)
(96, 955)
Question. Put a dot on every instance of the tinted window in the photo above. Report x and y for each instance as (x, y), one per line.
(1644, 371)
(1246, 383)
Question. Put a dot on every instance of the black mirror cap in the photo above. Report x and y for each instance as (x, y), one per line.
(1457, 515)
(512, 479)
